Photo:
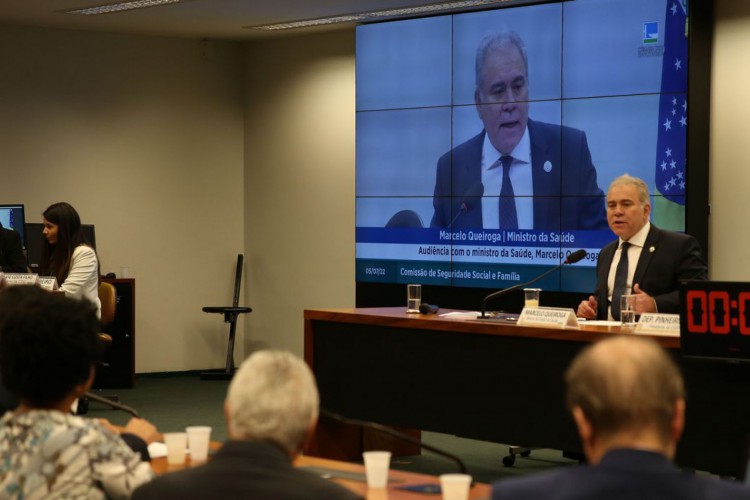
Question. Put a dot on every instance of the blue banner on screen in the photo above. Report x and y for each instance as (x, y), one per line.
(486, 140)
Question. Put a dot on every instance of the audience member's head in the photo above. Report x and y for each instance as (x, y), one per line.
(626, 392)
(272, 397)
(48, 345)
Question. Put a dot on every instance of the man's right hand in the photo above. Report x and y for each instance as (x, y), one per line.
(587, 308)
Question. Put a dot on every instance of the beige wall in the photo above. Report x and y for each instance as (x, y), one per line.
(729, 233)
(144, 137)
(299, 183)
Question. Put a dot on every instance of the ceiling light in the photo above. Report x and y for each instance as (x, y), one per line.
(119, 7)
(382, 14)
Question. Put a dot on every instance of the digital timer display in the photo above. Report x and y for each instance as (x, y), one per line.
(715, 319)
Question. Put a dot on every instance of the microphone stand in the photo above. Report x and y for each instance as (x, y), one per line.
(398, 435)
(572, 259)
(515, 287)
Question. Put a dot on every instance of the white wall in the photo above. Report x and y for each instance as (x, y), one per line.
(299, 183)
(729, 183)
(144, 137)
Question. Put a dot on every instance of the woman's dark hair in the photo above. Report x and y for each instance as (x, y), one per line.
(48, 343)
(56, 258)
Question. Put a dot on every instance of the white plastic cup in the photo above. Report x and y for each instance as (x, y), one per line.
(124, 272)
(377, 464)
(198, 438)
(455, 486)
(176, 442)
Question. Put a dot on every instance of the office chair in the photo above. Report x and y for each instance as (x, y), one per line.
(230, 316)
(108, 300)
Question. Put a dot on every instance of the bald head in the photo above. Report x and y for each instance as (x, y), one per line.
(624, 385)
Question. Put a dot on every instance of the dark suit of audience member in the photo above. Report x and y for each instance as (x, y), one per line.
(547, 161)
(271, 408)
(655, 260)
(12, 259)
(627, 398)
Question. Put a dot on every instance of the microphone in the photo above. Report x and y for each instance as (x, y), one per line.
(571, 259)
(428, 309)
(111, 404)
(472, 196)
(398, 435)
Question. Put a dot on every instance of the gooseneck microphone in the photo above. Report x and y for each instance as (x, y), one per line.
(398, 435)
(112, 404)
(471, 198)
(571, 259)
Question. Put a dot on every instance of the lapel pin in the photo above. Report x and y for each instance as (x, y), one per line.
(547, 166)
(652, 249)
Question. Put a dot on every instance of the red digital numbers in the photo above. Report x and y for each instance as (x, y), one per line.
(697, 317)
(743, 298)
(718, 308)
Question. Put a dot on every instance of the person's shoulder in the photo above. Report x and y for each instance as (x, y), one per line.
(535, 486)
(670, 236)
(714, 488)
(84, 251)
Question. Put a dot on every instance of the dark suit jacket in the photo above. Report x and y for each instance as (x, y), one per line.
(667, 258)
(621, 475)
(12, 259)
(567, 197)
(244, 469)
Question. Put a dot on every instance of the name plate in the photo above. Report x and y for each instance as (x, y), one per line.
(556, 317)
(661, 324)
(49, 284)
(21, 279)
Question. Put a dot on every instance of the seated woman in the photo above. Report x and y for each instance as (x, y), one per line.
(48, 353)
(67, 256)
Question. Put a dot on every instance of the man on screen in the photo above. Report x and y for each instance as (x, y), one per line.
(654, 260)
(517, 173)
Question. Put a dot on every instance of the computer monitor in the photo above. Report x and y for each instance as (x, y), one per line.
(12, 217)
(35, 238)
(715, 320)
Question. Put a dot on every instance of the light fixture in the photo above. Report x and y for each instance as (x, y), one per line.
(383, 14)
(119, 7)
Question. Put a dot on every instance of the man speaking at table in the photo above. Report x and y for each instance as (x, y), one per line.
(645, 260)
(528, 174)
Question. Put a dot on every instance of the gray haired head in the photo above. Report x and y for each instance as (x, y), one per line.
(498, 40)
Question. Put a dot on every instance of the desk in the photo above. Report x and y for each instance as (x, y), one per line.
(397, 478)
(494, 382)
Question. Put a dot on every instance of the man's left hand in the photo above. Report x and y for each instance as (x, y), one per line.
(644, 302)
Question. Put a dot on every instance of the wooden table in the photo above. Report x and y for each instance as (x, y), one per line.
(396, 478)
(493, 382)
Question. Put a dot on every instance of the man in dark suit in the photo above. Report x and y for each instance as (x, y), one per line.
(271, 407)
(532, 175)
(627, 398)
(12, 259)
(656, 259)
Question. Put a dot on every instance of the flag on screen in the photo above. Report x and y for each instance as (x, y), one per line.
(670, 179)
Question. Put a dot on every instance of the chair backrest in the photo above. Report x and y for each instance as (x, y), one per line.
(108, 298)
(238, 281)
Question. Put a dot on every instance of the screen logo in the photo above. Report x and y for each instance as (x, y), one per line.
(651, 32)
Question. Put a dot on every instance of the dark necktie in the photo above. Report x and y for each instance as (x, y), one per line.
(621, 280)
(508, 217)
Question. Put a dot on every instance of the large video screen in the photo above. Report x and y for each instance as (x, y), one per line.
(486, 141)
